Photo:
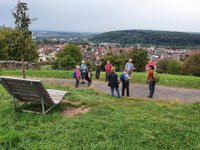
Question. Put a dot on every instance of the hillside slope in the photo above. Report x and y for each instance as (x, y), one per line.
(149, 37)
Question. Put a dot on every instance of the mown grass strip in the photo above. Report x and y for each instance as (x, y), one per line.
(111, 124)
(165, 79)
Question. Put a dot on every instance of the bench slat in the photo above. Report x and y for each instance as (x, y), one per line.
(31, 87)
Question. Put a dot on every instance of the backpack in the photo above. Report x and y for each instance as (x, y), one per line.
(122, 77)
(155, 78)
(74, 74)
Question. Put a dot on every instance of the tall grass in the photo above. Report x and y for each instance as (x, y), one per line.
(111, 124)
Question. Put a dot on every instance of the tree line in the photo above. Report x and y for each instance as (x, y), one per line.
(188, 66)
(71, 56)
(149, 37)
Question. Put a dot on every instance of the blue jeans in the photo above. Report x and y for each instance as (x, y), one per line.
(117, 90)
(83, 74)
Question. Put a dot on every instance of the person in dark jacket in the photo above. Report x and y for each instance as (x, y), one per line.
(88, 76)
(113, 82)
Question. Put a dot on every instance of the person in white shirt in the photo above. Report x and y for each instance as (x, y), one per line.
(129, 66)
(125, 82)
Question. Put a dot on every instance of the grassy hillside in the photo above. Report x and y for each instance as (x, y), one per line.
(164, 38)
(165, 79)
(111, 124)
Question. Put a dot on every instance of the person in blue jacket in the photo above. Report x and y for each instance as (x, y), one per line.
(83, 71)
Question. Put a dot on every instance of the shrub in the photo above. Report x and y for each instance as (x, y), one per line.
(115, 60)
(174, 67)
(90, 63)
(162, 66)
(139, 57)
(192, 65)
(169, 66)
(69, 57)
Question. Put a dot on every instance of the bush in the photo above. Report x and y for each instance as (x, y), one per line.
(139, 57)
(115, 60)
(192, 65)
(69, 57)
(169, 66)
(90, 63)
(162, 66)
(174, 67)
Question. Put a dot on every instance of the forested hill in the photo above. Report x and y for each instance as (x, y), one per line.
(149, 37)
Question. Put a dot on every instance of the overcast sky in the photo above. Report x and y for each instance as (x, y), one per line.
(108, 15)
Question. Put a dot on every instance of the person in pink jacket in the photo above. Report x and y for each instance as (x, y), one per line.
(108, 67)
(78, 76)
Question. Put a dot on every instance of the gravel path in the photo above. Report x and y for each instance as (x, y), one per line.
(137, 90)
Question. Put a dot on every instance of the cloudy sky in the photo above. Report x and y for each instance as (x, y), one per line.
(108, 15)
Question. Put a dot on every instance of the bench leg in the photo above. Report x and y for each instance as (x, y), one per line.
(14, 102)
(43, 108)
(42, 104)
(49, 109)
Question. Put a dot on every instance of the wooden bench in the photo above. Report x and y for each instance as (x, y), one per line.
(32, 91)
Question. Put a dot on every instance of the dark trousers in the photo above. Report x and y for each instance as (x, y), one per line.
(125, 85)
(98, 70)
(77, 83)
(89, 82)
(151, 88)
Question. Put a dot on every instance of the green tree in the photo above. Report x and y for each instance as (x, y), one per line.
(116, 60)
(140, 59)
(90, 63)
(162, 66)
(192, 65)
(169, 66)
(23, 44)
(69, 57)
(174, 67)
(6, 35)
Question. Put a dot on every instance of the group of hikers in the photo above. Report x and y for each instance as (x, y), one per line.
(84, 74)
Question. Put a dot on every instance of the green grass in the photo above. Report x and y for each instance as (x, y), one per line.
(171, 80)
(46, 67)
(165, 79)
(38, 73)
(111, 124)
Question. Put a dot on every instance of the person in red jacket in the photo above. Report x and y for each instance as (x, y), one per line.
(108, 67)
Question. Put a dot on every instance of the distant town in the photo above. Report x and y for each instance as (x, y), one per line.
(48, 52)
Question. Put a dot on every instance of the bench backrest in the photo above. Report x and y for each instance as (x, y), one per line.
(26, 89)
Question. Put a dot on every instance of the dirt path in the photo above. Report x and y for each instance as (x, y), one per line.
(138, 90)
